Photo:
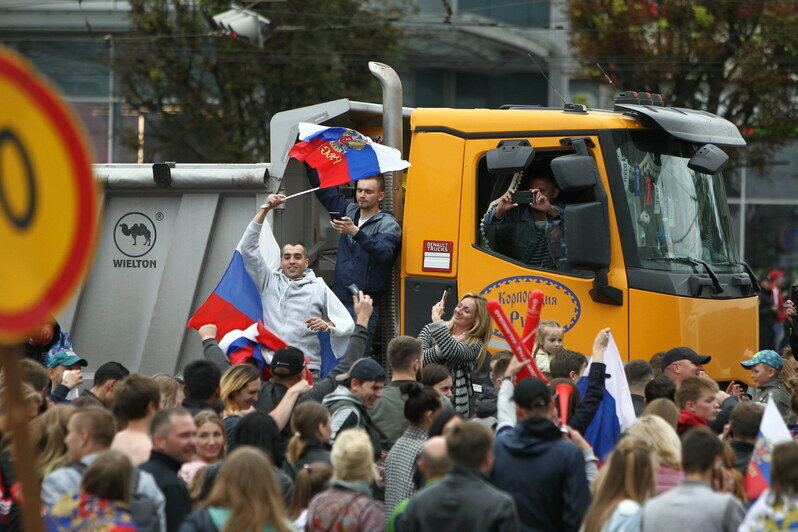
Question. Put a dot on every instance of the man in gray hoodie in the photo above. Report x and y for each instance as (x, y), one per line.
(297, 305)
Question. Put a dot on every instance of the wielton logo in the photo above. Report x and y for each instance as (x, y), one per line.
(134, 235)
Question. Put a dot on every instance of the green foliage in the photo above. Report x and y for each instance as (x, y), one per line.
(734, 58)
(208, 97)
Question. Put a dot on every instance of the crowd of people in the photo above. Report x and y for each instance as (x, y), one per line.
(405, 446)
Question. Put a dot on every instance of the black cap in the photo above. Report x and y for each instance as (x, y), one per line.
(365, 369)
(531, 393)
(287, 362)
(683, 353)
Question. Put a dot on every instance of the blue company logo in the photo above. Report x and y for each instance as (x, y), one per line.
(560, 303)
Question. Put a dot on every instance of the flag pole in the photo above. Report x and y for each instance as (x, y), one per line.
(295, 195)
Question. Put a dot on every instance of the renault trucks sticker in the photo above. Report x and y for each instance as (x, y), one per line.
(559, 304)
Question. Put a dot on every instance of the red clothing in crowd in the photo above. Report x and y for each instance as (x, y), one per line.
(688, 420)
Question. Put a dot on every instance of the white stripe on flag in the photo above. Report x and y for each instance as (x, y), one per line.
(389, 159)
(617, 386)
(306, 129)
(249, 333)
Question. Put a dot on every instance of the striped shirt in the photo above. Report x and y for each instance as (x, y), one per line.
(460, 358)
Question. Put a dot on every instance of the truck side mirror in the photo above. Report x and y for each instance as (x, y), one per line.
(708, 159)
(587, 236)
(575, 172)
(510, 156)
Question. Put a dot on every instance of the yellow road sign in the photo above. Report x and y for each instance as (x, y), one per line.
(48, 200)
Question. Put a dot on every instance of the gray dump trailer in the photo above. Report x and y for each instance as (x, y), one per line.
(169, 230)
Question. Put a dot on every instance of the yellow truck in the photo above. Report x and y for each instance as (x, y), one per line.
(645, 245)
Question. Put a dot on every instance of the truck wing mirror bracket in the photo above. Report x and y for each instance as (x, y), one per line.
(510, 156)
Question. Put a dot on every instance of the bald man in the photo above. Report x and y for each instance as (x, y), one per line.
(434, 464)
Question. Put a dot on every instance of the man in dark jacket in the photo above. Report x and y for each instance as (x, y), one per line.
(173, 443)
(543, 472)
(464, 499)
(369, 242)
(202, 386)
(274, 390)
(105, 380)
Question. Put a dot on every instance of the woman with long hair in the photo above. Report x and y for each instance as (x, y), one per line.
(348, 504)
(310, 424)
(665, 409)
(49, 431)
(211, 444)
(240, 386)
(401, 472)
(258, 430)
(311, 479)
(171, 390)
(667, 447)
(624, 484)
(244, 498)
(460, 344)
(103, 501)
(777, 507)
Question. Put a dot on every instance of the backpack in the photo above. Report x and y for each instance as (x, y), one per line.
(142, 509)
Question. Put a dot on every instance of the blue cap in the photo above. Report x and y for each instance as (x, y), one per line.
(767, 357)
(65, 357)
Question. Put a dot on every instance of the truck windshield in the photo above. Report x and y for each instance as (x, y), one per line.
(676, 213)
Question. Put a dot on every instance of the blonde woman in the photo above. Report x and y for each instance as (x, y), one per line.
(667, 448)
(244, 498)
(624, 484)
(171, 390)
(240, 386)
(211, 443)
(49, 431)
(665, 409)
(459, 344)
(348, 504)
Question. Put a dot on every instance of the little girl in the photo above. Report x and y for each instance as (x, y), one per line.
(547, 344)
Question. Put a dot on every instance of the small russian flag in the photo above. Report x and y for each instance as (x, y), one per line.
(235, 308)
(616, 412)
(341, 155)
(772, 431)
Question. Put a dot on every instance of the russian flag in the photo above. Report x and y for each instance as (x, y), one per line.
(772, 431)
(616, 412)
(235, 308)
(341, 155)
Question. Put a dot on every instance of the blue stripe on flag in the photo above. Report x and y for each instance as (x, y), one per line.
(328, 360)
(362, 163)
(237, 288)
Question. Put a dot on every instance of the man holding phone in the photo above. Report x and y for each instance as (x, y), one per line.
(369, 243)
(527, 224)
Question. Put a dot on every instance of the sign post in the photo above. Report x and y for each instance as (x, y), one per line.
(48, 227)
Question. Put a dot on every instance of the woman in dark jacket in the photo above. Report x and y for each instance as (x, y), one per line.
(310, 424)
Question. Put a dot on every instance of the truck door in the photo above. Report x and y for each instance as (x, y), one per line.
(496, 270)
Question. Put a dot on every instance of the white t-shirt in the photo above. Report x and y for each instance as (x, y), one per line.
(363, 220)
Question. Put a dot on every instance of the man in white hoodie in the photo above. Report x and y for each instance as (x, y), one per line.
(297, 305)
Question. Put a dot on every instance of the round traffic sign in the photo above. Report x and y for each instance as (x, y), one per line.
(48, 200)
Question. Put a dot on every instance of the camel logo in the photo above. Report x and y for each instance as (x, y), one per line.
(134, 234)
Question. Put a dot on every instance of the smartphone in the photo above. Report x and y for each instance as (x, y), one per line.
(794, 293)
(443, 297)
(524, 196)
(354, 290)
(334, 215)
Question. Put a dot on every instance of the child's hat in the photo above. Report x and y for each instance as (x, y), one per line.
(767, 357)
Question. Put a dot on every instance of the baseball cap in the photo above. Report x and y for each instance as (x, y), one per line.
(65, 357)
(775, 273)
(365, 369)
(531, 393)
(683, 353)
(288, 361)
(767, 357)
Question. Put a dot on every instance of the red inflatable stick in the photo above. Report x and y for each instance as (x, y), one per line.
(564, 391)
(532, 319)
(531, 370)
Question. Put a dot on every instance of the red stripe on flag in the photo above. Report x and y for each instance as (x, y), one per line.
(330, 164)
(222, 314)
(242, 355)
(268, 338)
(755, 483)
